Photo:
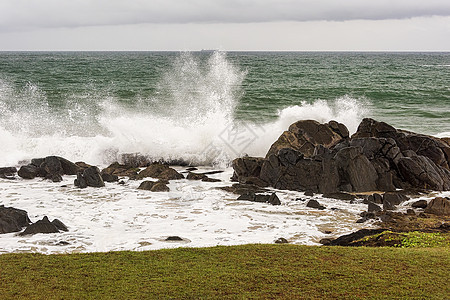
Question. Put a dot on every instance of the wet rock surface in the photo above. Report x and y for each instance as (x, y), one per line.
(322, 158)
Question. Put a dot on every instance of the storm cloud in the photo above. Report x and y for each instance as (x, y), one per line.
(31, 14)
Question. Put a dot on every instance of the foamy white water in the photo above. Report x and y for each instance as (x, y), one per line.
(120, 217)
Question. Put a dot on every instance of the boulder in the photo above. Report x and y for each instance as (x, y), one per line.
(42, 226)
(315, 204)
(420, 204)
(28, 172)
(154, 186)
(437, 150)
(160, 171)
(90, 177)
(281, 241)
(246, 167)
(439, 206)
(8, 172)
(120, 170)
(12, 219)
(305, 135)
(195, 176)
(421, 172)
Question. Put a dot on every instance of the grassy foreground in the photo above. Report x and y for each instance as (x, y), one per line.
(249, 271)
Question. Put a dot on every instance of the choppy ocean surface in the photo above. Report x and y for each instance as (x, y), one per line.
(201, 108)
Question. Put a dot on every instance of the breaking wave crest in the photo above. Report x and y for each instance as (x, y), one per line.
(189, 118)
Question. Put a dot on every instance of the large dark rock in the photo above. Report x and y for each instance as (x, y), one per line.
(246, 167)
(44, 226)
(322, 159)
(438, 150)
(28, 172)
(12, 219)
(305, 135)
(356, 170)
(90, 177)
(8, 172)
(421, 172)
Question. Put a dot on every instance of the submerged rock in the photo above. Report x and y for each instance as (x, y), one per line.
(154, 186)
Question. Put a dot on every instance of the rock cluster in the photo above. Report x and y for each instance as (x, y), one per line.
(14, 220)
(50, 167)
(322, 158)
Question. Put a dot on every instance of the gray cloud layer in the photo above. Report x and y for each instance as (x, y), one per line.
(26, 14)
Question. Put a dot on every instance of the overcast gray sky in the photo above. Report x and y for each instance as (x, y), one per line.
(225, 24)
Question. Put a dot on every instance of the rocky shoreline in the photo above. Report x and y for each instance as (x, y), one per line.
(382, 165)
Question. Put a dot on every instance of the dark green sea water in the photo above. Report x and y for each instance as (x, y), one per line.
(82, 94)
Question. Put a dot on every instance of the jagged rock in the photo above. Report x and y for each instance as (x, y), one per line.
(60, 225)
(439, 206)
(159, 171)
(246, 167)
(208, 179)
(437, 150)
(356, 169)
(420, 204)
(315, 204)
(321, 158)
(305, 135)
(41, 226)
(421, 172)
(12, 219)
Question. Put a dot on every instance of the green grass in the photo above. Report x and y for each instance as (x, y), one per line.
(237, 272)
